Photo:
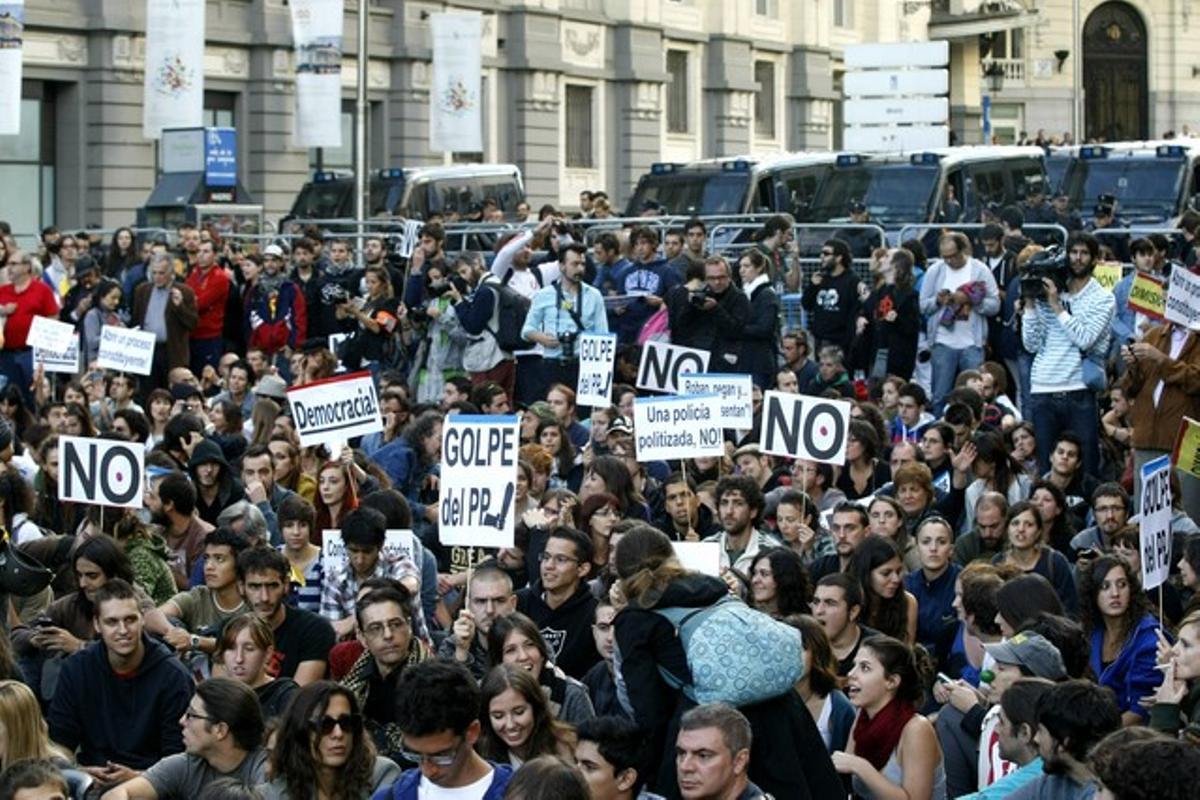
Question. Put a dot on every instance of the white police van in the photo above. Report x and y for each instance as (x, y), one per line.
(1153, 181)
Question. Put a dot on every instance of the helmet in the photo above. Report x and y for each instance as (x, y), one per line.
(20, 573)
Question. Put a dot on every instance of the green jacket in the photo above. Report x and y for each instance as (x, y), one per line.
(148, 556)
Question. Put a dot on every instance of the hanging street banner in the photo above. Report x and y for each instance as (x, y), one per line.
(173, 86)
(455, 97)
(12, 37)
(317, 37)
(1154, 506)
(333, 410)
(597, 353)
(478, 480)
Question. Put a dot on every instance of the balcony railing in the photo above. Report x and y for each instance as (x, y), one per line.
(1013, 68)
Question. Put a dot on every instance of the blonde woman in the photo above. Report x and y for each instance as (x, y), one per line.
(23, 731)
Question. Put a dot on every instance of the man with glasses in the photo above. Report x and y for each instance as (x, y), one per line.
(490, 597)
(707, 312)
(1110, 509)
(385, 630)
(560, 602)
(222, 738)
(437, 709)
(22, 299)
(1061, 330)
(59, 274)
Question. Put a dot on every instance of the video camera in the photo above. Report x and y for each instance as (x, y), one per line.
(1049, 263)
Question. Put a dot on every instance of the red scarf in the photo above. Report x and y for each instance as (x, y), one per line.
(876, 738)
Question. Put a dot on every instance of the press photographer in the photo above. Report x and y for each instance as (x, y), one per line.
(708, 311)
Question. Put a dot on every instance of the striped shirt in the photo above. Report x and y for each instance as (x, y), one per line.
(1058, 341)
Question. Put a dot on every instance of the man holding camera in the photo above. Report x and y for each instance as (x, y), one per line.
(1069, 319)
(558, 313)
(708, 312)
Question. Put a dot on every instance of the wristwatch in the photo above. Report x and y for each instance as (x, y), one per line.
(194, 642)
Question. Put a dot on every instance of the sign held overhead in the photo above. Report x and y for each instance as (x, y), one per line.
(335, 409)
(662, 365)
(100, 471)
(799, 426)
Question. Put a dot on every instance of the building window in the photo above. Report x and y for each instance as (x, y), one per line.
(843, 13)
(677, 91)
(219, 110)
(323, 158)
(1008, 44)
(766, 8)
(579, 137)
(27, 167)
(764, 99)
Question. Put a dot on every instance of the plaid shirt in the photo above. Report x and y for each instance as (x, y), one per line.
(341, 585)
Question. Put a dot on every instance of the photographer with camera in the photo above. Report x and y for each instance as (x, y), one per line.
(557, 315)
(708, 313)
(1066, 316)
(478, 310)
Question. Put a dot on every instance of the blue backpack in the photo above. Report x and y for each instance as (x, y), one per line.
(737, 655)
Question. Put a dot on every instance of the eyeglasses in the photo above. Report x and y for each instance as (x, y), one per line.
(558, 559)
(377, 629)
(349, 723)
(446, 759)
(190, 715)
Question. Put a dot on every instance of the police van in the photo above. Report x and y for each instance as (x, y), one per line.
(734, 185)
(416, 192)
(1153, 181)
(917, 187)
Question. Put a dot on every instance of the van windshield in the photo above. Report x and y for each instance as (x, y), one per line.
(693, 193)
(324, 200)
(1147, 189)
(894, 193)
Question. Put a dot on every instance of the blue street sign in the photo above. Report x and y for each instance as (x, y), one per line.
(220, 157)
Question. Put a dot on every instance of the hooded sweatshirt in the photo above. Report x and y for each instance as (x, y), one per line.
(127, 719)
(566, 629)
(229, 489)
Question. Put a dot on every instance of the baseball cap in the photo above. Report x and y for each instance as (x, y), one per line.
(620, 426)
(271, 386)
(1032, 651)
(856, 206)
(273, 250)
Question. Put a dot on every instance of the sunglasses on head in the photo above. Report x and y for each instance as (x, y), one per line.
(349, 723)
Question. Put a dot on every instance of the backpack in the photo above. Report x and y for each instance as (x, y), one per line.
(513, 307)
(737, 655)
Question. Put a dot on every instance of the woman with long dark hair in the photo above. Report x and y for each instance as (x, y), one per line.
(1124, 634)
(322, 751)
(565, 472)
(514, 640)
(1025, 549)
(1058, 529)
(819, 688)
(887, 606)
(518, 725)
(892, 319)
(122, 256)
(779, 583)
(864, 472)
(995, 470)
(104, 312)
(598, 515)
(609, 474)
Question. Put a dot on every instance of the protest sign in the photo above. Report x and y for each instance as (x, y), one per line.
(702, 557)
(735, 391)
(668, 428)
(597, 352)
(10, 68)
(335, 409)
(126, 350)
(409, 238)
(50, 335)
(1147, 296)
(1186, 454)
(662, 365)
(1107, 274)
(397, 546)
(100, 471)
(1183, 299)
(799, 426)
(67, 361)
(478, 480)
(1154, 526)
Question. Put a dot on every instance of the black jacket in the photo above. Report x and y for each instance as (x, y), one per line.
(566, 629)
(760, 333)
(900, 336)
(716, 331)
(833, 308)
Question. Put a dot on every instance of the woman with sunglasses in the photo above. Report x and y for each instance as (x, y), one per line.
(322, 752)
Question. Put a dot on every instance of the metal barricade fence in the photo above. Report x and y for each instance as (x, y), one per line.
(914, 231)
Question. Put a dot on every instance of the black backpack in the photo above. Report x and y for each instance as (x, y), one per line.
(513, 307)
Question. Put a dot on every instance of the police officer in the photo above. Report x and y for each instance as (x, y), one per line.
(861, 240)
(1105, 218)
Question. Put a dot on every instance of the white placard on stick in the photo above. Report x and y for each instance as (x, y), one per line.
(101, 471)
(1154, 527)
(667, 428)
(478, 480)
(663, 363)
(397, 546)
(1183, 299)
(335, 409)
(597, 352)
(800, 426)
(126, 350)
(50, 335)
(65, 362)
(702, 557)
(409, 238)
(736, 393)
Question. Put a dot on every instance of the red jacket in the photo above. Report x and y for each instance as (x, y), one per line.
(36, 301)
(212, 290)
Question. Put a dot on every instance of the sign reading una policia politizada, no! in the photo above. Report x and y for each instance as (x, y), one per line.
(478, 480)
(335, 409)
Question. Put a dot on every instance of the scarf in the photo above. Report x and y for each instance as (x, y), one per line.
(268, 284)
(754, 284)
(876, 738)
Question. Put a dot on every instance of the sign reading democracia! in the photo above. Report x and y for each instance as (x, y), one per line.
(335, 409)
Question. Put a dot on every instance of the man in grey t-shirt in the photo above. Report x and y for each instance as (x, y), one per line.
(222, 736)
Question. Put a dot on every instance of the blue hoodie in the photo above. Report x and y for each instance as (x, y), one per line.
(406, 787)
(1132, 674)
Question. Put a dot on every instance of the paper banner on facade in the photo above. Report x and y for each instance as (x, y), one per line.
(126, 350)
(1186, 454)
(736, 393)
(100, 471)
(173, 86)
(799, 426)
(1147, 296)
(1154, 506)
(50, 335)
(335, 409)
(478, 480)
(12, 35)
(667, 428)
(317, 37)
(1107, 274)
(1183, 299)
(455, 96)
(397, 546)
(597, 353)
(65, 362)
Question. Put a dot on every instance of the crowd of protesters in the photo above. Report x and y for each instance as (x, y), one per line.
(965, 587)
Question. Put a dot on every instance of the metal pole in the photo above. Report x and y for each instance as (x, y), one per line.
(1076, 75)
(360, 129)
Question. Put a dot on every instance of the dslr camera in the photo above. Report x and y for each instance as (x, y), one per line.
(442, 285)
(566, 343)
(333, 294)
(697, 297)
(1050, 263)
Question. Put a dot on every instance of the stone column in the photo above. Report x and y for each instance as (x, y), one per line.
(729, 97)
(276, 169)
(810, 99)
(535, 146)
